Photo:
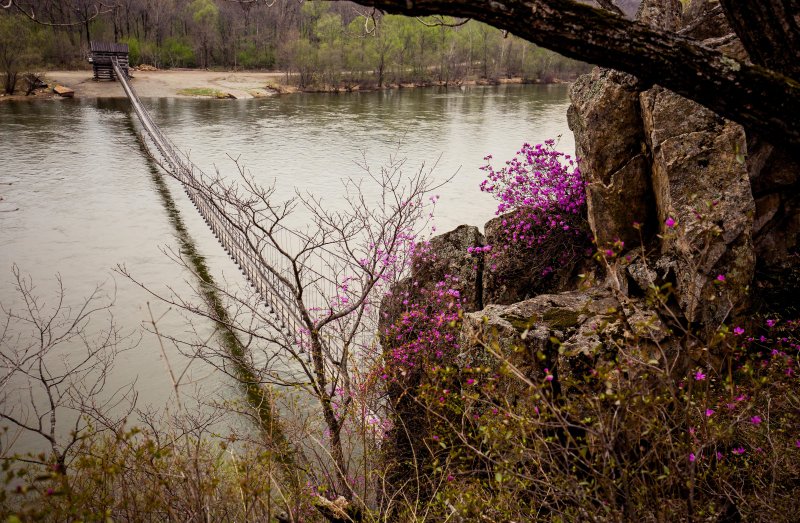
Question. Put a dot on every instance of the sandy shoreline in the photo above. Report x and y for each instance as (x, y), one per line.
(169, 84)
(163, 84)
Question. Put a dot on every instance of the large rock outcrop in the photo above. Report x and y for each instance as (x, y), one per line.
(701, 183)
(654, 157)
(718, 215)
(610, 141)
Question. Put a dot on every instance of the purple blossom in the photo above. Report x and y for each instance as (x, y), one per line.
(738, 331)
(549, 190)
(699, 376)
(670, 222)
(755, 420)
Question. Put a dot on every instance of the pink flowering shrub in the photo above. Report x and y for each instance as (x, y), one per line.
(542, 217)
(419, 335)
(630, 437)
(546, 186)
(425, 331)
(542, 180)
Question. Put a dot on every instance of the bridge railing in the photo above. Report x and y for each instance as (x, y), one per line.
(270, 272)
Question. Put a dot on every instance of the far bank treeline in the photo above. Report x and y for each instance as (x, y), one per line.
(322, 44)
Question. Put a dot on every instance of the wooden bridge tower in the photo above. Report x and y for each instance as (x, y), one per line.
(102, 54)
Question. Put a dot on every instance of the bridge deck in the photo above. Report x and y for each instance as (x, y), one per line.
(266, 279)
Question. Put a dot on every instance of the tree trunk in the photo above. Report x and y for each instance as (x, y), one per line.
(769, 31)
(334, 425)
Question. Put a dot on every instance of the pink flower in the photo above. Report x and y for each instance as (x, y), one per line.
(699, 376)
(771, 323)
(720, 277)
(692, 457)
(797, 444)
(470, 381)
(670, 222)
(738, 451)
(450, 477)
(755, 420)
(709, 413)
(738, 331)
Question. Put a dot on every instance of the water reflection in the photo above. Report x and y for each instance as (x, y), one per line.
(78, 198)
(311, 141)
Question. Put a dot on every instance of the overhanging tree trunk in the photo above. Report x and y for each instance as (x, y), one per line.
(769, 31)
(761, 99)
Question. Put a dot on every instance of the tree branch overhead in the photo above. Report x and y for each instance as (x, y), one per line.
(762, 100)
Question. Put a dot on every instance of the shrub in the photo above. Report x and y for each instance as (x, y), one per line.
(541, 233)
(630, 438)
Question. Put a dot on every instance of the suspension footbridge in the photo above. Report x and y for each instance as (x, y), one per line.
(270, 279)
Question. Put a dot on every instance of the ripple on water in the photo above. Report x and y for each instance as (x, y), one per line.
(87, 203)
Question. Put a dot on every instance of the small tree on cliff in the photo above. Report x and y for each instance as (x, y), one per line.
(331, 272)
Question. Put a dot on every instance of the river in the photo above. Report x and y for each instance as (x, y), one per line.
(78, 197)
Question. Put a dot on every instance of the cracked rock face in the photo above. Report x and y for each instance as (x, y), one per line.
(654, 156)
(610, 142)
(589, 326)
(701, 182)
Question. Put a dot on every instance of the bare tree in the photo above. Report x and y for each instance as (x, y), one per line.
(61, 12)
(325, 279)
(55, 362)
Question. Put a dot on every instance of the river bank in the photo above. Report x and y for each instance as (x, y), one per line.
(185, 83)
(172, 83)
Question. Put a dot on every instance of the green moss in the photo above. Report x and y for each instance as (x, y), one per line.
(522, 324)
(561, 318)
(555, 318)
(202, 91)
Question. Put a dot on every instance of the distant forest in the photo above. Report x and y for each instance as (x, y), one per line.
(321, 44)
